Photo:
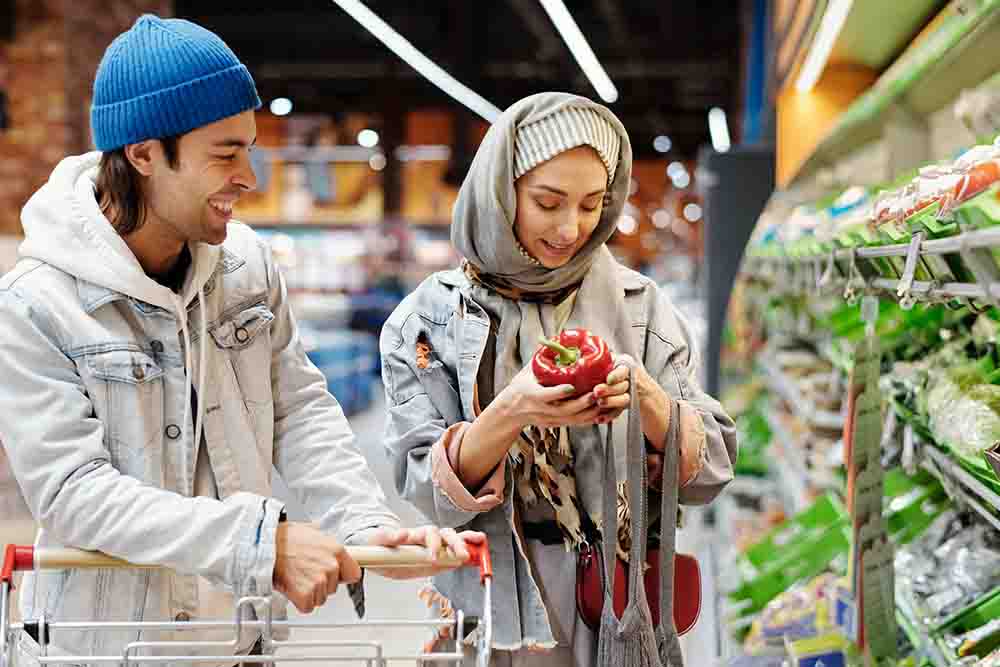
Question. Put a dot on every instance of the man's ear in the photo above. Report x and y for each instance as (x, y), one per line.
(142, 155)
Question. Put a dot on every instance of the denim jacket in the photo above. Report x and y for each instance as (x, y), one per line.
(432, 398)
(93, 386)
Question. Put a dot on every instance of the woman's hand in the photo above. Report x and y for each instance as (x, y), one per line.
(613, 399)
(613, 396)
(525, 401)
(434, 539)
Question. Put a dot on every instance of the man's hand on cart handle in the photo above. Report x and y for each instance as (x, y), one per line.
(309, 565)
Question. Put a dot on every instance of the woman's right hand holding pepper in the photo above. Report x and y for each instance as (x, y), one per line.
(526, 402)
(521, 403)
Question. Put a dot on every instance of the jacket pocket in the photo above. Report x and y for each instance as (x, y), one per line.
(244, 339)
(127, 389)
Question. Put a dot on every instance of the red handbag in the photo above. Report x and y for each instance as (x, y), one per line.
(590, 587)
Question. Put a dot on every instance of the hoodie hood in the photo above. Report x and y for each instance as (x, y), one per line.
(64, 227)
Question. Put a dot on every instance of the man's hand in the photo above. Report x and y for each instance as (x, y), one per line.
(309, 565)
(431, 537)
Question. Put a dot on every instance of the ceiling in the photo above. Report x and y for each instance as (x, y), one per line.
(671, 61)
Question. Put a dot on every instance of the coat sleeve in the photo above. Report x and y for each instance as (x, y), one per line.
(708, 435)
(420, 443)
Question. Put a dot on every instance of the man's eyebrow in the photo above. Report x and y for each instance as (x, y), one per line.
(234, 143)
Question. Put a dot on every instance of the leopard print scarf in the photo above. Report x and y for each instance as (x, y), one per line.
(543, 458)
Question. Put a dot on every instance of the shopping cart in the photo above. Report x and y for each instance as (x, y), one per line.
(25, 558)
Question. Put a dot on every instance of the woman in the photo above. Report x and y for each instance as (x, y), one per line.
(474, 440)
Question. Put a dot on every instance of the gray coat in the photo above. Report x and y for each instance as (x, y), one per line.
(424, 402)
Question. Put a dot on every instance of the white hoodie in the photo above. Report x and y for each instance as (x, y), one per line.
(95, 417)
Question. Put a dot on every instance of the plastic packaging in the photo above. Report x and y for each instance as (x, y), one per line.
(963, 411)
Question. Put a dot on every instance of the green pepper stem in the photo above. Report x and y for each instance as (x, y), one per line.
(567, 355)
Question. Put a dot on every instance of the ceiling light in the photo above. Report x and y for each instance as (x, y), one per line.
(417, 60)
(368, 138)
(578, 46)
(627, 224)
(692, 212)
(377, 162)
(662, 144)
(661, 219)
(674, 169)
(682, 181)
(281, 106)
(718, 128)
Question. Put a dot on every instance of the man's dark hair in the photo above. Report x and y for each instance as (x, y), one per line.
(119, 185)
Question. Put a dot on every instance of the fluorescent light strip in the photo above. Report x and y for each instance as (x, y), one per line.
(819, 51)
(417, 60)
(578, 46)
(718, 128)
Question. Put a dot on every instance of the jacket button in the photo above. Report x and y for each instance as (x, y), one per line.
(138, 372)
(173, 431)
(182, 617)
(242, 335)
(157, 347)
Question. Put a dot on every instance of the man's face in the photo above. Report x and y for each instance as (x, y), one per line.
(194, 199)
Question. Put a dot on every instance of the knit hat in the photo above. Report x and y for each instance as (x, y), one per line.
(163, 78)
(564, 130)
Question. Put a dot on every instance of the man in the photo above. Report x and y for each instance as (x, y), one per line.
(152, 372)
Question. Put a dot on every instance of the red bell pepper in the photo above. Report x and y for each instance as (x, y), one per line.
(978, 178)
(575, 357)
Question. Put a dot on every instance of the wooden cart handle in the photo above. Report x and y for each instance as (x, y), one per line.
(19, 558)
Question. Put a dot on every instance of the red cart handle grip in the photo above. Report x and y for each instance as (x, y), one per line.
(15, 559)
(479, 555)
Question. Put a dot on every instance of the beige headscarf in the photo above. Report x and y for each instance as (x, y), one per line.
(483, 232)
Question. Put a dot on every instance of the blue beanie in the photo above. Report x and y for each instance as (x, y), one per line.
(163, 78)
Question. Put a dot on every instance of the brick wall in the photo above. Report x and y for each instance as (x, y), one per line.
(47, 72)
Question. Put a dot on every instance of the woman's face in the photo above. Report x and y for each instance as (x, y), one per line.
(559, 204)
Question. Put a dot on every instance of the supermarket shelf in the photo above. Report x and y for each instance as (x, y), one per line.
(981, 238)
(922, 643)
(959, 54)
(789, 469)
(923, 290)
(960, 485)
(783, 386)
(775, 269)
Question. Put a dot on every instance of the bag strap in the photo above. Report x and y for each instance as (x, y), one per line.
(668, 514)
(638, 498)
(609, 522)
(636, 465)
